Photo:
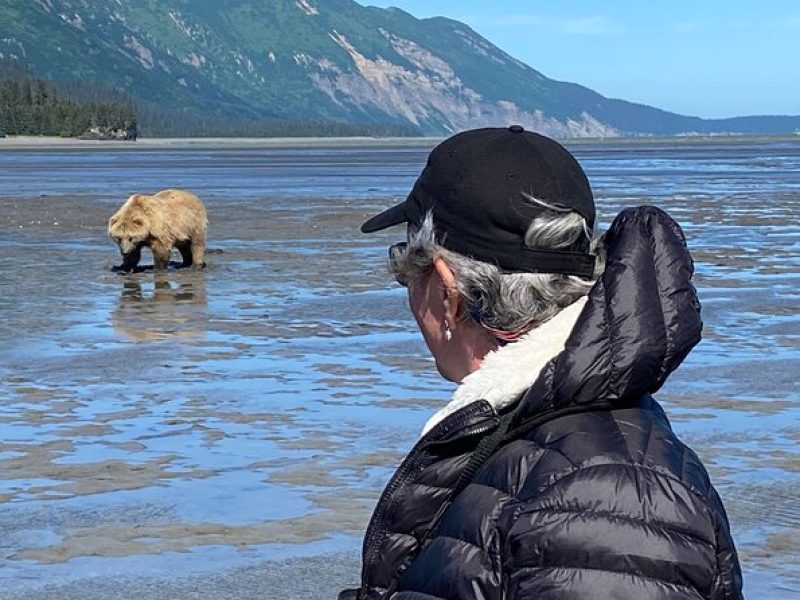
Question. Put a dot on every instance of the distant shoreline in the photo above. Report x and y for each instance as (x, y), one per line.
(58, 143)
(46, 143)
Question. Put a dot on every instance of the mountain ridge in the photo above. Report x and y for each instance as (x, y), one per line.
(308, 60)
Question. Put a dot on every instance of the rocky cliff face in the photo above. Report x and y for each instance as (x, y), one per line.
(428, 92)
(310, 60)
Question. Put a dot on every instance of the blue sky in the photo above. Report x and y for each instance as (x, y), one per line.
(708, 58)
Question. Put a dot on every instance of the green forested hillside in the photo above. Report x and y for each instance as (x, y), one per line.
(197, 66)
(33, 106)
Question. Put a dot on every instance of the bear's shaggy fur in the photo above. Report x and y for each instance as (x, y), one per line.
(166, 219)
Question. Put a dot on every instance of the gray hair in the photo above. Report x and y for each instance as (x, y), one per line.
(513, 302)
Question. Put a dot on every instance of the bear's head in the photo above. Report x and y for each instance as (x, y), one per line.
(129, 229)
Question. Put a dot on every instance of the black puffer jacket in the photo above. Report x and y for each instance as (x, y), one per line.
(591, 495)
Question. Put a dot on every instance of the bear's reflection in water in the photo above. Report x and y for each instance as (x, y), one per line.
(161, 306)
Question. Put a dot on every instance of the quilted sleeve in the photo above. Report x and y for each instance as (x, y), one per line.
(462, 560)
(611, 531)
(728, 583)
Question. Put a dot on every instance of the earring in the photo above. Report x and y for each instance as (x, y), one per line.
(448, 335)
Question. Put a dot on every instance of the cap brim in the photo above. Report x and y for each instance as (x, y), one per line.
(388, 218)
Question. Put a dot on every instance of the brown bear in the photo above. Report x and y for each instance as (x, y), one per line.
(166, 219)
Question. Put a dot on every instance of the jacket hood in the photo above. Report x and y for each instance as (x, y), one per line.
(641, 319)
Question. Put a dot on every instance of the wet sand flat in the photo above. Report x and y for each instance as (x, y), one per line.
(183, 434)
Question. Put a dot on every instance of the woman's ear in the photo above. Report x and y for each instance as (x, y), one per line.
(452, 299)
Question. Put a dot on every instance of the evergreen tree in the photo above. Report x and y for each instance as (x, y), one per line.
(32, 106)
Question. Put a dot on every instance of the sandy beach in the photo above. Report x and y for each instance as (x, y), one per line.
(47, 143)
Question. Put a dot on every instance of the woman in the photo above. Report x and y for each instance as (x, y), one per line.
(552, 473)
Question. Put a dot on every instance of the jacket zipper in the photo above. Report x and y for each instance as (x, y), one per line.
(408, 559)
(402, 476)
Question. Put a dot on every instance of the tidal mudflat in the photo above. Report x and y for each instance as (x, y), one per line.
(226, 432)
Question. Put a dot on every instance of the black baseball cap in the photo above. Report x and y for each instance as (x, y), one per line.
(475, 184)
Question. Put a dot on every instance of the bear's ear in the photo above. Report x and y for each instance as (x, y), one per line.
(113, 220)
(134, 198)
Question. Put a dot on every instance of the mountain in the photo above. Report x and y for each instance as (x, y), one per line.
(319, 61)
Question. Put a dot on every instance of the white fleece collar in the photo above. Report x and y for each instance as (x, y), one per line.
(508, 371)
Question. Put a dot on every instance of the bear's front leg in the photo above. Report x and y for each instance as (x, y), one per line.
(198, 248)
(161, 253)
(131, 259)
